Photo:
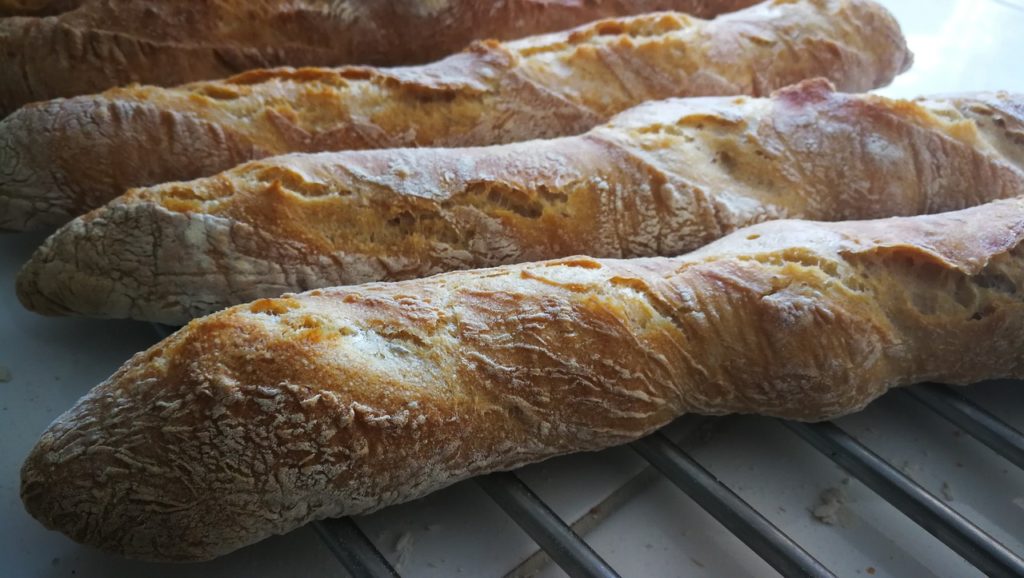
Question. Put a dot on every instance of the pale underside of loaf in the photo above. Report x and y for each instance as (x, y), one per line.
(263, 417)
(59, 48)
(60, 158)
(662, 179)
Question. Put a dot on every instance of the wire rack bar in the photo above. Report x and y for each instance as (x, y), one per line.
(763, 537)
(353, 549)
(564, 546)
(966, 539)
(998, 435)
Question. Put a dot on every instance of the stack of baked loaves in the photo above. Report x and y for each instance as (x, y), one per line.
(631, 140)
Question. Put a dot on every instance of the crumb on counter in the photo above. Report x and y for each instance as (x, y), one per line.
(947, 492)
(830, 504)
(402, 549)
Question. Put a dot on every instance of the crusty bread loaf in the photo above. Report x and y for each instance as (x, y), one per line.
(86, 46)
(258, 419)
(662, 179)
(61, 158)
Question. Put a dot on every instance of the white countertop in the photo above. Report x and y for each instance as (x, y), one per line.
(960, 45)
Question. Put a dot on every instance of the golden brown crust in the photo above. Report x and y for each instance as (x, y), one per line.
(661, 179)
(540, 87)
(260, 418)
(86, 46)
(127, 142)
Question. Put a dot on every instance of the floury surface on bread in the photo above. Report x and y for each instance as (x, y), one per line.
(662, 179)
(58, 159)
(60, 48)
(258, 419)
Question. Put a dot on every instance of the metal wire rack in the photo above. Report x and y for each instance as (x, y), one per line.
(358, 555)
(572, 553)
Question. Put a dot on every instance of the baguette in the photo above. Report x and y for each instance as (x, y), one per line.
(662, 179)
(86, 46)
(258, 419)
(60, 158)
